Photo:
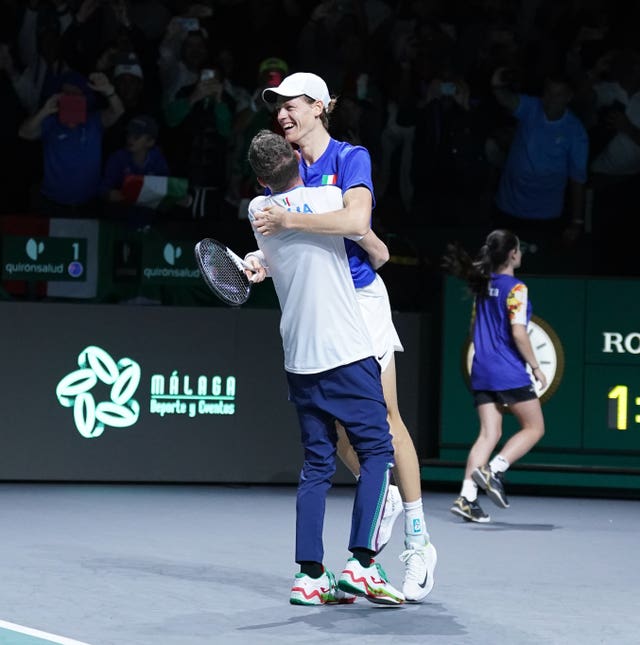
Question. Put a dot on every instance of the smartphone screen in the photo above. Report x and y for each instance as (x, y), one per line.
(72, 109)
(189, 24)
(447, 89)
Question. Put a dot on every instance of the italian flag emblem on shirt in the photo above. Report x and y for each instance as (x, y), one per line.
(154, 192)
(329, 180)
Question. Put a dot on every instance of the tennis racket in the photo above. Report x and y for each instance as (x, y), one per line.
(223, 271)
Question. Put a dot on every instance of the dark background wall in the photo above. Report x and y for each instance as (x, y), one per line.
(258, 443)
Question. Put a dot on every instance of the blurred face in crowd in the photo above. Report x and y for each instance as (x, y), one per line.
(555, 99)
(129, 88)
(50, 45)
(69, 88)
(625, 68)
(298, 118)
(195, 51)
(139, 143)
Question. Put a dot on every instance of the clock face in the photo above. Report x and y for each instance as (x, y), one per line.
(547, 350)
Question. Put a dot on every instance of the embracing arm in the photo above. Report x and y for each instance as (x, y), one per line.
(375, 248)
(353, 219)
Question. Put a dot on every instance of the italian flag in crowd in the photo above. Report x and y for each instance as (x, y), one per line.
(154, 192)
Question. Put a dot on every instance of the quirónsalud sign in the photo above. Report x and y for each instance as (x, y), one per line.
(44, 258)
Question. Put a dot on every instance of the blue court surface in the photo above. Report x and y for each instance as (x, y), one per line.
(12, 634)
(203, 565)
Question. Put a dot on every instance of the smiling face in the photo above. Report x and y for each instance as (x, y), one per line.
(299, 119)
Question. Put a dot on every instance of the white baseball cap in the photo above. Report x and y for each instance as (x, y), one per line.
(133, 70)
(298, 84)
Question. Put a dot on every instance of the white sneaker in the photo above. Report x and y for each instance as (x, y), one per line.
(392, 508)
(318, 591)
(370, 582)
(419, 565)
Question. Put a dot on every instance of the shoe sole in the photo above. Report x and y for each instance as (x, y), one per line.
(478, 520)
(388, 601)
(296, 601)
(307, 603)
(493, 494)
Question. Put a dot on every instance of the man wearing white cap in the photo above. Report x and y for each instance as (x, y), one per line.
(303, 106)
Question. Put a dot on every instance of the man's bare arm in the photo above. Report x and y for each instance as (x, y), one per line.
(375, 248)
(353, 219)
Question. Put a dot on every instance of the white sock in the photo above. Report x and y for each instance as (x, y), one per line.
(498, 464)
(415, 527)
(469, 490)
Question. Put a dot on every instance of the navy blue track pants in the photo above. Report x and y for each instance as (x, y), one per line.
(351, 394)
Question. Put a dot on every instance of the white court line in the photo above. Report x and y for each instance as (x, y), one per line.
(53, 638)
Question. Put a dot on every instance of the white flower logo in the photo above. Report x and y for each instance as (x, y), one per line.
(73, 391)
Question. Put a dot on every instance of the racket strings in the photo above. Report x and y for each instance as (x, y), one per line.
(225, 274)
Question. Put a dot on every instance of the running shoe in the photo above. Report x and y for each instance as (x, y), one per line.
(491, 484)
(370, 582)
(318, 591)
(392, 508)
(470, 511)
(419, 565)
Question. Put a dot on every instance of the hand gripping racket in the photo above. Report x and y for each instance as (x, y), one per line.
(223, 271)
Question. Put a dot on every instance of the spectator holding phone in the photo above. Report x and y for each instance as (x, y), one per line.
(40, 62)
(183, 53)
(71, 130)
(618, 104)
(448, 154)
(256, 116)
(130, 83)
(199, 113)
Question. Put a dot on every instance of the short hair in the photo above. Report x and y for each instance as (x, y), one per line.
(273, 160)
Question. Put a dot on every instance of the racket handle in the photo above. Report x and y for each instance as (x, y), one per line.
(239, 261)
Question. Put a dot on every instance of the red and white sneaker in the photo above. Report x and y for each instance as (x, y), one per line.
(370, 582)
(318, 591)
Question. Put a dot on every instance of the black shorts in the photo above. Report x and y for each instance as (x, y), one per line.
(505, 397)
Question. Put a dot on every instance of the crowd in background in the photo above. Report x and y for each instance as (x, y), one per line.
(98, 96)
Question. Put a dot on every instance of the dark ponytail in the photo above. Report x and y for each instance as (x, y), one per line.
(491, 256)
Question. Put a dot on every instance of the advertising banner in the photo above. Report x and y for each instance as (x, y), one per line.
(154, 394)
